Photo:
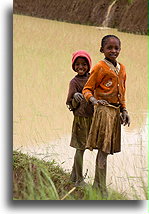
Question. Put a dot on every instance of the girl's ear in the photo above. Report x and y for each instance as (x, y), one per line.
(101, 49)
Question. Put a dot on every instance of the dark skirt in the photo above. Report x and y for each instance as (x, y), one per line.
(80, 131)
(105, 131)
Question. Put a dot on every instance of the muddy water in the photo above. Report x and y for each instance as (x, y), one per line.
(42, 71)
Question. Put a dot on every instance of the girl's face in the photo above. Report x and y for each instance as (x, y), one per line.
(111, 49)
(81, 66)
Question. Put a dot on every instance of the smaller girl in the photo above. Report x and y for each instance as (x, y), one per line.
(82, 111)
(105, 88)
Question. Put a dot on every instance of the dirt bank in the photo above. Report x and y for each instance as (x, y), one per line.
(129, 17)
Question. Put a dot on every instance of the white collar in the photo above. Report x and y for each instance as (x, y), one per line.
(115, 69)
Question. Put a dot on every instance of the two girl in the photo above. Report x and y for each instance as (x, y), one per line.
(105, 90)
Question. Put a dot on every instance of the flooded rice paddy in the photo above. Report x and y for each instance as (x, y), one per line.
(41, 73)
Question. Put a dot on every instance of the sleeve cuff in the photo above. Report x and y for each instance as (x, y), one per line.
(87, 95)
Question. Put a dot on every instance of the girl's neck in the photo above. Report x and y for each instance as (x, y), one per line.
(81, 76)
(113, 62)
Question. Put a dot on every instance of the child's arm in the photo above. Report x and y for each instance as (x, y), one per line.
(74, 97)
(89, 87)
(125, 119)
(94, 80)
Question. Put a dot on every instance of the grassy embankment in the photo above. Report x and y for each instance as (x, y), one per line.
(35, 179)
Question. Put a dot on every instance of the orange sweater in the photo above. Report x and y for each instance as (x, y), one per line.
(105, 84)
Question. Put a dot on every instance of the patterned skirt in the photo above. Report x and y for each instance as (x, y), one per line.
(105, 131)
(80, 131)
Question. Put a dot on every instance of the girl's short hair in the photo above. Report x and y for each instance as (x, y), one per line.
(105, 38)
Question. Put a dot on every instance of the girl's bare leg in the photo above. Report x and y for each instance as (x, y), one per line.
(77, 169)
(100, 173)
(73, 173)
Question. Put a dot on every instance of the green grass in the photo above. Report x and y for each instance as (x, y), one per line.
(129, 1)
(35, 179)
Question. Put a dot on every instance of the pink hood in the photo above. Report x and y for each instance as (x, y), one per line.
(81, 53)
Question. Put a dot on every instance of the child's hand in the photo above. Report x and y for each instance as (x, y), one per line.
(103, 102)
(125, 119)
(93, 100)
(78, 97)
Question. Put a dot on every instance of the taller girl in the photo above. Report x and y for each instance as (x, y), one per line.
(105, 89)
